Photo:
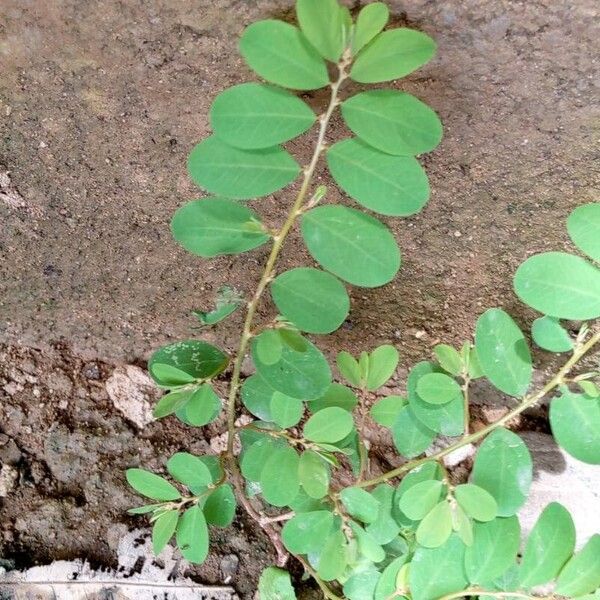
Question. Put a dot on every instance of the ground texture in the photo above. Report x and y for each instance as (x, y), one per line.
(100, 104)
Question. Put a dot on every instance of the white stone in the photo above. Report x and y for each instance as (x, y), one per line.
(8, 480)
(558, 477)
(133, 393)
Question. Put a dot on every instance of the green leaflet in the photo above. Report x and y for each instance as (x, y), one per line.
(280, 53)
(216, 226)
(314, 301)
(393, 122)
(329, 425)
(390, 185)
(254, 115)
(354, 246)
(435, 572)
(575, 422)
(382, 364)
(333, 557)
(581, 575)
(476, 502)
(583, 226)
(192, 535)
(323, 24)
(437, 388)
(303, 375)
(503, 353)
(151, 485)
(372, 18)
(361, 585)
(275, 584)
(503, 467)
(360, 504)
(194, 358)
(286, 411)
(305, 532)
(163, 530)
(549, 546)
(313, 473)
(279, 477)
(219, 508)
(240, 174)
(384, 528)
(494, 549)
(449, 358)
(411, 436)
(386, 586)
(391, 55)
(436, 527)
(420, 499)
(349, 368)
(386, 411)
(190, 470)
(336, 395)
(462, 524)
(228, 300)
(560, 285)
(256, 396)
(202, 408)
(548, 334)
(367, 545)
(171, 402)
(256, 456)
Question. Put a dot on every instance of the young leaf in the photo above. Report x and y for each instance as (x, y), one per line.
(367, 546)
(256, 396)
(305, 532)
(476, 502)
(361, 584)
(494, 549)
(503, 353)
(144, 510)
(384, 528)
(386, 411)
(581, 575)
(560, 285)
(575, 422)
(170, 376)
(202, 407)
(292, 339)
(192, 535)
(390, 185)
(314, 301)
(286, 411)
(391, 55)
(437, 388)
(240, 174)
(382, 364)
(194, 357)
(386, 586)
(411, 436)
(216, 226)
(313, 473)
(583, 226)
(503, 468)
(549, 546)
(227, 303)
(304, 375)
(279, 477)
(462, 524)
(336, 395)
(393, 122)
(171, 403)
(436, 527)
(548, 334)
(189, 470)
(275, 584)
(280, 53)
(360, 504)
(349, 368)
(269, 347)
(333, 557)
(352, 245)
(254, 115)
(435, 572)
(151, 485)
(163, 530)
(371, 20)
(449, 359)
(255, 457)
(219, 509)
(322, 23)
(329, 425)
(420, 499)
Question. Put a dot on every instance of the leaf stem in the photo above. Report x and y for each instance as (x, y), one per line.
(482, 592)
(527, 402)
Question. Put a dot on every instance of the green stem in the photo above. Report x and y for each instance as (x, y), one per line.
(481, 592)
(527, 402)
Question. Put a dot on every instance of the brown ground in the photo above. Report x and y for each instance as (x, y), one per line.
(100, 104)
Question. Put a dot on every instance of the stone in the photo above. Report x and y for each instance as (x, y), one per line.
(133, 393)
(8, 479)
(558, 477)
(229, 565)
(9, 451)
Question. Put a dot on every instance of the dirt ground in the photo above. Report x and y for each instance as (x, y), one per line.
(100, 104)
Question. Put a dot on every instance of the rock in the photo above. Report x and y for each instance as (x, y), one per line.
(229, 566)
(9, 451)
(218, 443)
(133, 393)
(558, 477)
(91, 371)
(8, 480)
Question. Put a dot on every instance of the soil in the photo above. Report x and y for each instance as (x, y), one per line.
(100, 104)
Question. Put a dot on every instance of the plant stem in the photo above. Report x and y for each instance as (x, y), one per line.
(467, 411)
(328, 593)
(479, 591)
(527, 402)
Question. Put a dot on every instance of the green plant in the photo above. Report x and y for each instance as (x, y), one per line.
(426, 536)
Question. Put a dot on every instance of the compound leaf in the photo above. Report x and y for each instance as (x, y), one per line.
(393, 54)
(240, 174)
(390, 185)
(354, 246)
(280, 53)
(217, 226)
